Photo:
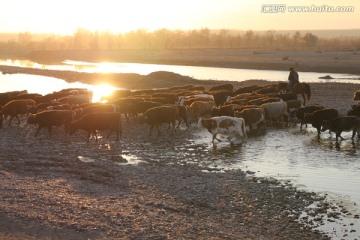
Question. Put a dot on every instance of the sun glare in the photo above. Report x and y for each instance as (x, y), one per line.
(100, 91)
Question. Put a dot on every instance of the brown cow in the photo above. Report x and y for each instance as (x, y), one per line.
(159, 115)
(200, 108)
(98, 121)
(15, 108)
(253, 116)
(51, 118)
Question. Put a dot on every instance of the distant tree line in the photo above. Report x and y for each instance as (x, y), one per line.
(177, 39)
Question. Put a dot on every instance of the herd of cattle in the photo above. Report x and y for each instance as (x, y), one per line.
(220, 109)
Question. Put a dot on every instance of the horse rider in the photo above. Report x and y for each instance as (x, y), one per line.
(293, 78)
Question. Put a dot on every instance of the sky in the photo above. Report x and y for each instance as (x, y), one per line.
(66, 16)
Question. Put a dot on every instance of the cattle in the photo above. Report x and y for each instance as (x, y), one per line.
(183, 115)
(200, 108)
(15, 108)
(317, 117)
(355, 110)
(292, 107)
(98, 121)
(222, 96)
(100, 107)
(8, 96)
(158, 115)
(50, 118)
(248, 89)
(116, 94)
(169, 97)
(137, 107)
(185, 87)
(340, 124)
(260, 101)
(267, 89)
(233, 127)
(225, 110)
(43, 106)
(300, 113)
(241, 96)
(60, 107)
(189, 99)
(275, 111)
(286, 96)
(356, 96)
(226, 87)
(75, 99)
(253, 116)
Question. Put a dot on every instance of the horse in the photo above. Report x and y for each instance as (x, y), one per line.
(299, 88)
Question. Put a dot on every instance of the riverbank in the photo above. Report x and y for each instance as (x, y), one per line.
(304, 61)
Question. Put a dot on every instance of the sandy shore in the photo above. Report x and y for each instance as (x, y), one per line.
(346, 61)
(46, 192)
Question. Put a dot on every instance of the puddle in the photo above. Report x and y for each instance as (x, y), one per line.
(86, 159)
(129, 159)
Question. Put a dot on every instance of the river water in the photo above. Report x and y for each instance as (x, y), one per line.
(311, 164)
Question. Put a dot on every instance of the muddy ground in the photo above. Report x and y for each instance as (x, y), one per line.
(65, 188)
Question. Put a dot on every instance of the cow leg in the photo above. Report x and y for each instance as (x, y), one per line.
(318, 131)
(214, 137)
(117, 135)
(95, 133)
(89, 135)
(17, 117)
(38, 130)
(111, 131)
(353, 134)
(340, 135)
(158, 128)
(151, 128)
(49, 130)
(11, 118)
(303, 96)
(173, 126)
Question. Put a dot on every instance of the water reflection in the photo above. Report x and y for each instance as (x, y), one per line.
(201, 73)
(45, 85)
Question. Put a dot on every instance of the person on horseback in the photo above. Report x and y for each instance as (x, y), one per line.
(293, 78)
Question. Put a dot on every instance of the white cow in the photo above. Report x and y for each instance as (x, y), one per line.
(276, 110)
(233, 127)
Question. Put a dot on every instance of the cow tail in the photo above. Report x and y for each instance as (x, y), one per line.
(307, 90)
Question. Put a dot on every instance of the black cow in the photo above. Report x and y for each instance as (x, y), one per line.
(300, 113)
(340, 124)
(316, 118)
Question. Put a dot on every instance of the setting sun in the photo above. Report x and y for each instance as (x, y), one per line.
(100, 91)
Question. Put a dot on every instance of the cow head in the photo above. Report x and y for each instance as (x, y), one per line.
(209, 124)
(31, 119)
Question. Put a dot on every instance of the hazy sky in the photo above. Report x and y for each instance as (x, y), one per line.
(65, 16)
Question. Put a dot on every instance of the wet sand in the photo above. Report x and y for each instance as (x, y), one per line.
(46, 192)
